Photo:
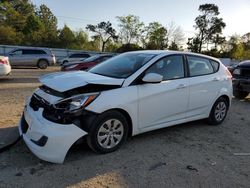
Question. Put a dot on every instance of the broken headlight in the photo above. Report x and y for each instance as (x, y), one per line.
(76, 102)
(236, 71)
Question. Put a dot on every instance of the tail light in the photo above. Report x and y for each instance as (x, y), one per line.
(4, 61)
(228, 73)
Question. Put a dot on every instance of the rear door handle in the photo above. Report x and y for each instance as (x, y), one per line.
(181, 86)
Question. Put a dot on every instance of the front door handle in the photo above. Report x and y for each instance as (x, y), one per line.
(181, 86)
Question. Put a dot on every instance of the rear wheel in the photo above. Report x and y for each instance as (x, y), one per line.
(240, 94)
(42, 64)
(218, 112)
(109, 132)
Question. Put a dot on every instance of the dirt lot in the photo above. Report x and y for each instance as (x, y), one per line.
(189, 155)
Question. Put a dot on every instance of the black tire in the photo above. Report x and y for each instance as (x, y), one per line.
(100, 123)
(42, 64)
(240, 94)
(214, 117)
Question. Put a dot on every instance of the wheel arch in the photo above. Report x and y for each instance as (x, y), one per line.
(128, 118)
(42, 59)
(226, 98)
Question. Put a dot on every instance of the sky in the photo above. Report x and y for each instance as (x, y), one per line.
(78, 13)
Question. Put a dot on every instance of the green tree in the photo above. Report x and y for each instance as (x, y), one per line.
(193, 44)
(66, 37)
(131, 28)
(81, 39)
(208, 24)
(128, 47)
(156, 36)
(15, 12)
(13, 16)
(9, 36)
(49, 31)
(173, 46)
(104, 31)
(32, 31)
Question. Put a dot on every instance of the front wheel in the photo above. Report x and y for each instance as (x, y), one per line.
(218, 112)
(108, 133)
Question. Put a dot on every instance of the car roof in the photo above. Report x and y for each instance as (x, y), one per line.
(79, 53)
(171, 52)
(27, 48)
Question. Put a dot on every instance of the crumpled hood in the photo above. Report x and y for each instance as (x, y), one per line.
(64, 81)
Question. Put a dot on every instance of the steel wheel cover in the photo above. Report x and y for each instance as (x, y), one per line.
(110, 133)
(220, 111)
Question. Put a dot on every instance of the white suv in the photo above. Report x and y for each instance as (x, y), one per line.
(129, 94)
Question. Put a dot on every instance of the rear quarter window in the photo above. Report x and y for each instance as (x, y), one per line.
(215, 65)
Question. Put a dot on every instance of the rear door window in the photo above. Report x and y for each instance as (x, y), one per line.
(199, 66)
(33, 52)
(79, 56)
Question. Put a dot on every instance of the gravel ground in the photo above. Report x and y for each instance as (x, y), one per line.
(189, 155)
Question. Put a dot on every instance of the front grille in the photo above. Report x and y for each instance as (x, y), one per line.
(24, 125)
(245, 72)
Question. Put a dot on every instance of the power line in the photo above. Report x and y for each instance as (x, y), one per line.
(76, 18)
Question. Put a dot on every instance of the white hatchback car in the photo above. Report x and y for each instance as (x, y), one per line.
(129, 94)
(5, 67)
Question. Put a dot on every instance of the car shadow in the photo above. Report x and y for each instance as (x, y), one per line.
(21, 67)
(8, 135)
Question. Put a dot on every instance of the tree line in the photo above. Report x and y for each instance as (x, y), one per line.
(22, 23)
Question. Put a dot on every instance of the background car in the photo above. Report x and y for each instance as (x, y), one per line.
(74, 57)
(35, 57)
(5, 67)
(241, 80)
(87, 63)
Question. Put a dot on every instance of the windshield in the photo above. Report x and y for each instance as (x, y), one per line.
(122, 66)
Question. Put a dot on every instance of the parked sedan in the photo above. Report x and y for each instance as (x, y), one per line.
(5, 67)
(126, 95)
(87, 63)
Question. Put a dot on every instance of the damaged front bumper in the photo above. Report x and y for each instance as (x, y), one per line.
(242, 84)
(49, 141)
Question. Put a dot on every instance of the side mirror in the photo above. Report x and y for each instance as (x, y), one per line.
(152, 78)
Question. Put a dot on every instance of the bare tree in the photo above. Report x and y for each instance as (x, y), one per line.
(175, 34)
(104, 31)
(131, 28)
